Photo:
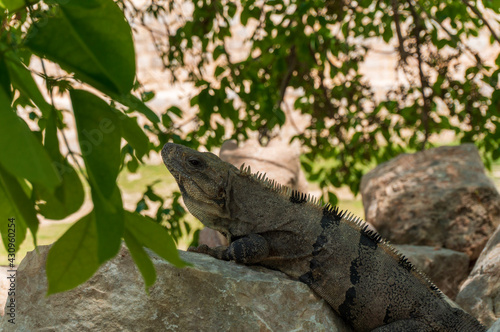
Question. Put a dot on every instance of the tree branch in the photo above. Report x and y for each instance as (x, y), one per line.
(324, 90)
(454, 37)
(403, 54)
(292, 63)
(481, 17)
(424, 84)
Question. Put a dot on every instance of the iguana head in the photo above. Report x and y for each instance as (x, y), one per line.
(203, 180)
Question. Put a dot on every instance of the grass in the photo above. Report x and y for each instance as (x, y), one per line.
(47, 234)
(146, 175)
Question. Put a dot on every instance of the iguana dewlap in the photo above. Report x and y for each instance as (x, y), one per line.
(360, 275)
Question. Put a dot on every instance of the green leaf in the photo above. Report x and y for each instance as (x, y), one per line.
(109, 222)
(11, 4)
(153, 236)
(21, 150)
(135, 104)
(5, 79)
(14, 203)
(99, 140)
(218, 51)
(245, 15)
(345, 29)
(147, 96)
(68, 197)
(14, 5)
(133, 165)
(134, 135)
(492, 4)
(91, 39)
(387, 35)
(219, 71)
(176, 110)
(495, 155)
(73, 259)
(141, 259)
(231, 9)
(24, 82)
(307, 166)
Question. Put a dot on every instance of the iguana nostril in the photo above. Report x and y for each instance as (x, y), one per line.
(167, 149)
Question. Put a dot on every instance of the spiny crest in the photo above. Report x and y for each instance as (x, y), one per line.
(372, 234)
(294, 195)
(377, 238)
(297, 197)
(406, 264)
(335, 213)
(245, 170)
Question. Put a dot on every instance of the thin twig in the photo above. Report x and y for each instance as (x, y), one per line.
(423, 80)
(481, 17)
(402, 53)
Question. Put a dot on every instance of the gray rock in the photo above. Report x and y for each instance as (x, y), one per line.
(495, 327)
(480, 293)
(439, 197)
(4, 287)
(211, 238)
(446, 268)
(212, 295)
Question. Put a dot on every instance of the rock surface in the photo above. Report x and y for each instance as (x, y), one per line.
(446, 268)
(480, 293)
(439, 197)
(495, 327)
(211, 238)
(4, 287)
(211, 295)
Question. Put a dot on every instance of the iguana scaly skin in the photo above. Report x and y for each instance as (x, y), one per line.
(360, 275)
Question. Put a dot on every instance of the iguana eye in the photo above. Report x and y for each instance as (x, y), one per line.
(195, 162)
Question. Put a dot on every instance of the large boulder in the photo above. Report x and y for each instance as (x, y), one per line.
(446, 268)
(211, 295)
(480, 293)
(495, 327)
(440, 197)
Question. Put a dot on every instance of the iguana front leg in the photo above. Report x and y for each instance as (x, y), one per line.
(249, 249)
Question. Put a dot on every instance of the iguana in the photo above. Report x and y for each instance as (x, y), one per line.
(363, 278)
